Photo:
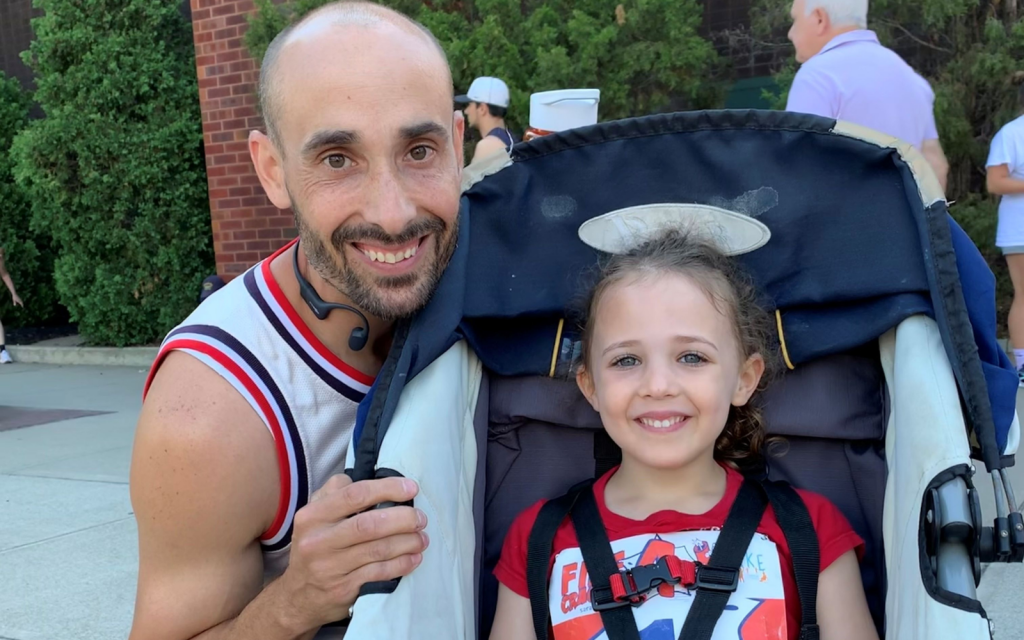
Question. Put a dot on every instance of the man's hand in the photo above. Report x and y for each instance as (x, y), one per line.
(17, 300)
(338, 546)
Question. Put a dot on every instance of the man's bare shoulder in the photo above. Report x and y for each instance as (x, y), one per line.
(488, 146)
(204, 486)
(197, 432)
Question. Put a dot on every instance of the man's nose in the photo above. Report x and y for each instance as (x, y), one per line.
(388, 204)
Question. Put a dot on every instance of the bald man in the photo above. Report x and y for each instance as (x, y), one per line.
(247, 528)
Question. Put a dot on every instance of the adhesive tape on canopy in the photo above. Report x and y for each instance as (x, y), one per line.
(625, 229)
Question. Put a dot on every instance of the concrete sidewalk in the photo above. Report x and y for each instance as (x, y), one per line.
(68, 539)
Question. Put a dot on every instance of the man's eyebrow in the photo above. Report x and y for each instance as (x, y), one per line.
(332, 138)
(424, 129)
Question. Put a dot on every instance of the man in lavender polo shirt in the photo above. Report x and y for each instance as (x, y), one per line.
(848, 75)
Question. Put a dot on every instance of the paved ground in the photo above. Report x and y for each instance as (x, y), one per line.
(68, 547)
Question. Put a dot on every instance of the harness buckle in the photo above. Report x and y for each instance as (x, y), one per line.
(717, 578)
(631, 586)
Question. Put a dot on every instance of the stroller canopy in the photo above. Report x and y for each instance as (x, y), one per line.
(857, 246)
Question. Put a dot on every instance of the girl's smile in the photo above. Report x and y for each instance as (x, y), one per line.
(662, 421)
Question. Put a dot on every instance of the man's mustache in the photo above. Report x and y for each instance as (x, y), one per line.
(375, 234)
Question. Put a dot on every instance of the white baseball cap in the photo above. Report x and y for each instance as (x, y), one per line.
(486, 90)
(625, 229)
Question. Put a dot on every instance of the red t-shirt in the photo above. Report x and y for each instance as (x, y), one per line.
(767, 581)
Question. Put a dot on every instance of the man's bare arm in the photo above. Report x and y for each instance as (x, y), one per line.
(932, 151)
(205, 487)
(999, 182)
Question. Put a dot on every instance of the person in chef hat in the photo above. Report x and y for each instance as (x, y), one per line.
(554, 111)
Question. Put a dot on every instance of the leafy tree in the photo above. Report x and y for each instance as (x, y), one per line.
(645, 55)
(28, 255)
(115, 171)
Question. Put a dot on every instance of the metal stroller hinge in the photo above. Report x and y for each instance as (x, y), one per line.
(1004, 540)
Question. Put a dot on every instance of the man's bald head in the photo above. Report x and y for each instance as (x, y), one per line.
(346, 13)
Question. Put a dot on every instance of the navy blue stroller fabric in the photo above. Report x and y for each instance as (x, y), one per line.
(979, 286)
(854, 251)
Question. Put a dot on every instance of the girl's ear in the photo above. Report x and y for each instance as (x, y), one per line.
(750, 376)
(586, 384)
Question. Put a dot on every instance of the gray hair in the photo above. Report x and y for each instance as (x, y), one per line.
(842, 12)
(344, 12)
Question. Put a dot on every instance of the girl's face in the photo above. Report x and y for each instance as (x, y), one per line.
(664, 368)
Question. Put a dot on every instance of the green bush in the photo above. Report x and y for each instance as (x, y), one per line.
(115, 171)
(29, 257)
(644, 55)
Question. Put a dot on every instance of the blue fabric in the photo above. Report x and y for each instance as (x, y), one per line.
(979, 288)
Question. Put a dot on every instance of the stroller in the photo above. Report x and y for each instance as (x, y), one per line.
(894, 382)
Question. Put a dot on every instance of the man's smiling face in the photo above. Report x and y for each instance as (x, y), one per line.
(371, 159)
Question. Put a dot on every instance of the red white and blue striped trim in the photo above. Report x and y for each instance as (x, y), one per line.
(264, 289)
(236, 364)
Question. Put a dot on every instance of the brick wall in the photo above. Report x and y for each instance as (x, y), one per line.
(246, 226)
(15, 37)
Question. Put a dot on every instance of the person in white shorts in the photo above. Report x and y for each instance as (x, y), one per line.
(1006, 178)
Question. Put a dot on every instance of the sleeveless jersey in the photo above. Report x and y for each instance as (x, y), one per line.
(250, 334)
(502, 134)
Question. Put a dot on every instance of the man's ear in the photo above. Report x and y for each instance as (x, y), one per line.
(270, 169)
(750, 376)
(822, 21)
(459, 136)
(586, 384)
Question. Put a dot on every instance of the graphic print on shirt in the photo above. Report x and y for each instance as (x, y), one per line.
(756, 611)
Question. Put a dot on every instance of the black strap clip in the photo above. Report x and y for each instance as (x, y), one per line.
(717, 578)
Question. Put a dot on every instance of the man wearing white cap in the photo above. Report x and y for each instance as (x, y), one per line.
(486, 105)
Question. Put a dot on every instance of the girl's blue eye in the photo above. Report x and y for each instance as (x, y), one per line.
(625, 361)
(693, 358)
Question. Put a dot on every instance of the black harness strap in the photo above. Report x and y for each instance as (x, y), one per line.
(792, 516)
(717, 580)
(619, 623)
(538, 555)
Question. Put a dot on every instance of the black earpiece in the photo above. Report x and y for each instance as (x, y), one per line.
(359, 336)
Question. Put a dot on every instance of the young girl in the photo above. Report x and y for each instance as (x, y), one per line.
(674, 347)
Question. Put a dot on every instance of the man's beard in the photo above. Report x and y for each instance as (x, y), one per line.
(365, 290)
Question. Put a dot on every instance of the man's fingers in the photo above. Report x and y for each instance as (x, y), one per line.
(339, 499)
(385, 549)
(388, 570)
(376, 524)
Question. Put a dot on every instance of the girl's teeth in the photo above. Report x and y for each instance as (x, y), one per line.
(661, 424)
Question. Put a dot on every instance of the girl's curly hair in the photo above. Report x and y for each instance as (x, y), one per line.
(743, 441)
